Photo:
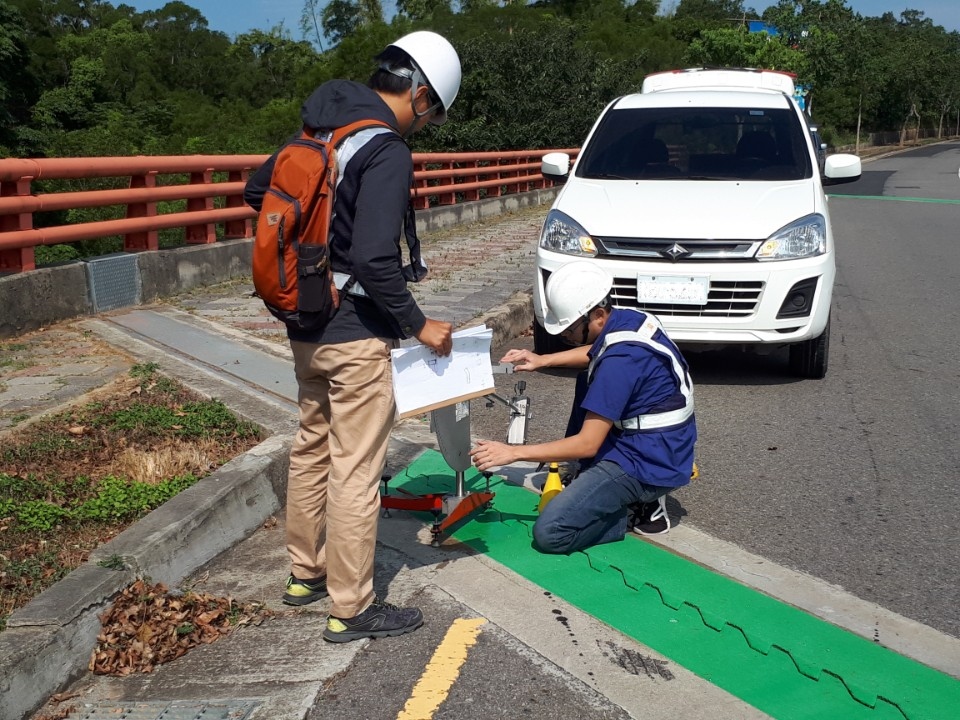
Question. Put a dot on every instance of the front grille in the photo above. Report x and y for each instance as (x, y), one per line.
(657, 249)
(725, 299)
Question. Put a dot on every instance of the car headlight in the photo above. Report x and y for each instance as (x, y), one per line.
(806, 237)
(563, 234)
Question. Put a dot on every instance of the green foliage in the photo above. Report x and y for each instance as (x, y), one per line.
(739, 48)
(144, 371)
(38, 508)
(51, 254)
(198, 419)
(36, 450)
(18, 90)
(565, 83)
(120, 499)
(39, 515)
(29, 575)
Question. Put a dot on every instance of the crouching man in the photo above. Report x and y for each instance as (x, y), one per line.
(632, 425)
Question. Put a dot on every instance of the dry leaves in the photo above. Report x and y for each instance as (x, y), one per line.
(61, 714)
(147, 626)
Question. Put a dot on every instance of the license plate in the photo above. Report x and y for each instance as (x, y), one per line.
(672, 289)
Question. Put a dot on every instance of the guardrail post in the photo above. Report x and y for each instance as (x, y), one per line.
(207, 232)
(472, 194)
(237, 228)
(16, 259)
(496, 190)
(447, 198)
(420, 199)
(147, 239)
(513, 187)
(539, 183)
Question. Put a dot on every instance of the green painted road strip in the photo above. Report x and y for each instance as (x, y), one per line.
(786, 662)
(941, 201)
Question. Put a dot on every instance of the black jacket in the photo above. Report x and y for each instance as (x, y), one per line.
(371, 208)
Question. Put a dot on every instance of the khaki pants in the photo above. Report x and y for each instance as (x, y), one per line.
(333, 504)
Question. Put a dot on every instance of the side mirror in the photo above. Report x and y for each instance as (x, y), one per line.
(555, 167)
(842, 168)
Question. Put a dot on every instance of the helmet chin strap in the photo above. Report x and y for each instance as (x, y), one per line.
(416, 82)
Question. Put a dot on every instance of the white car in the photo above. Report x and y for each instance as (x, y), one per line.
(702, 197)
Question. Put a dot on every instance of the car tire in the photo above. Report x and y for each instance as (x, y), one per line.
(544, 343)
(808, 359)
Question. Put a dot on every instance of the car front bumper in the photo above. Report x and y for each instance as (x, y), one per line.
(743, 301)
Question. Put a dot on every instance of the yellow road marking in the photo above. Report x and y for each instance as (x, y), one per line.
(442, 670)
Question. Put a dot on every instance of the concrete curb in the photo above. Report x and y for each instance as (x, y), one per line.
(510, 319)
(47, 643)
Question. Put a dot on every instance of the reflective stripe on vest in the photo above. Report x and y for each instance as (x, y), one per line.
(644, 336)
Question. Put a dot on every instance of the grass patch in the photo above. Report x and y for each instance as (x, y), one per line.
(12, 357)
(71, 481)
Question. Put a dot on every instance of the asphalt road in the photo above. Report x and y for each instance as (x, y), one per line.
(852, 479)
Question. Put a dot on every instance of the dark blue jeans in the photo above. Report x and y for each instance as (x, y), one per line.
(592, 510)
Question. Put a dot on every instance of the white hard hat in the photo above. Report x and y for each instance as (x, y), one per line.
(438, 62)
(573, 291)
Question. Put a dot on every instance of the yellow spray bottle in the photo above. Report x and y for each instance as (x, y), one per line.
(551, 488)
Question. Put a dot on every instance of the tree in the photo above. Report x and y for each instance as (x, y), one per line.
(740, 48)
(945, 83)
(310, 22)
(72, 106)
(342, 18)
(273, 63)
(187, 54)
(692, 17)
(710, 11)
(19, 90)
(423, 10)
(126, 57)
(528, 88)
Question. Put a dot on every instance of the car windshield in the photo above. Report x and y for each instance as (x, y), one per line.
(697, 143)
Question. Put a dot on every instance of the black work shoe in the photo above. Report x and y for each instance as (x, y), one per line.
(650, 518)
(304, 592)
(379, 620)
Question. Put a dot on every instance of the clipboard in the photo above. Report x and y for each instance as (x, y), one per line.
(424, 381)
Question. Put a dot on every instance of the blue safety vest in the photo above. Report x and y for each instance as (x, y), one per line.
(651, 335)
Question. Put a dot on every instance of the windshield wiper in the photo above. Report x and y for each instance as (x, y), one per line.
(607, 176)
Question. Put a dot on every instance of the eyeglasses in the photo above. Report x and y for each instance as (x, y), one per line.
(575, 327)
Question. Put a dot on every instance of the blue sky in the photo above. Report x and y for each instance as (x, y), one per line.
(238, 16)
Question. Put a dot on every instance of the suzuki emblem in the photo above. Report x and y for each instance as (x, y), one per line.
(675, 252)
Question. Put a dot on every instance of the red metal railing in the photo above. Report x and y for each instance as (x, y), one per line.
(439, 179)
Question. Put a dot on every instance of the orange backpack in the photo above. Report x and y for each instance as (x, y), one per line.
(291, 257)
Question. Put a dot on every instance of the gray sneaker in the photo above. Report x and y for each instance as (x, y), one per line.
(379, 620)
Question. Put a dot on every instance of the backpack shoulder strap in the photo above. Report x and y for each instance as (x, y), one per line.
(342, 133)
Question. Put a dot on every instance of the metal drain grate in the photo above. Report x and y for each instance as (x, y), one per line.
(114, 281)
(176, 710)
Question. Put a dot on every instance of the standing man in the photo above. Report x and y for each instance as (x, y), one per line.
(346, 399)
(632, 423)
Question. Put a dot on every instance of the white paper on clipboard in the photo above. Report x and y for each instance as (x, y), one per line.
(424, 381)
